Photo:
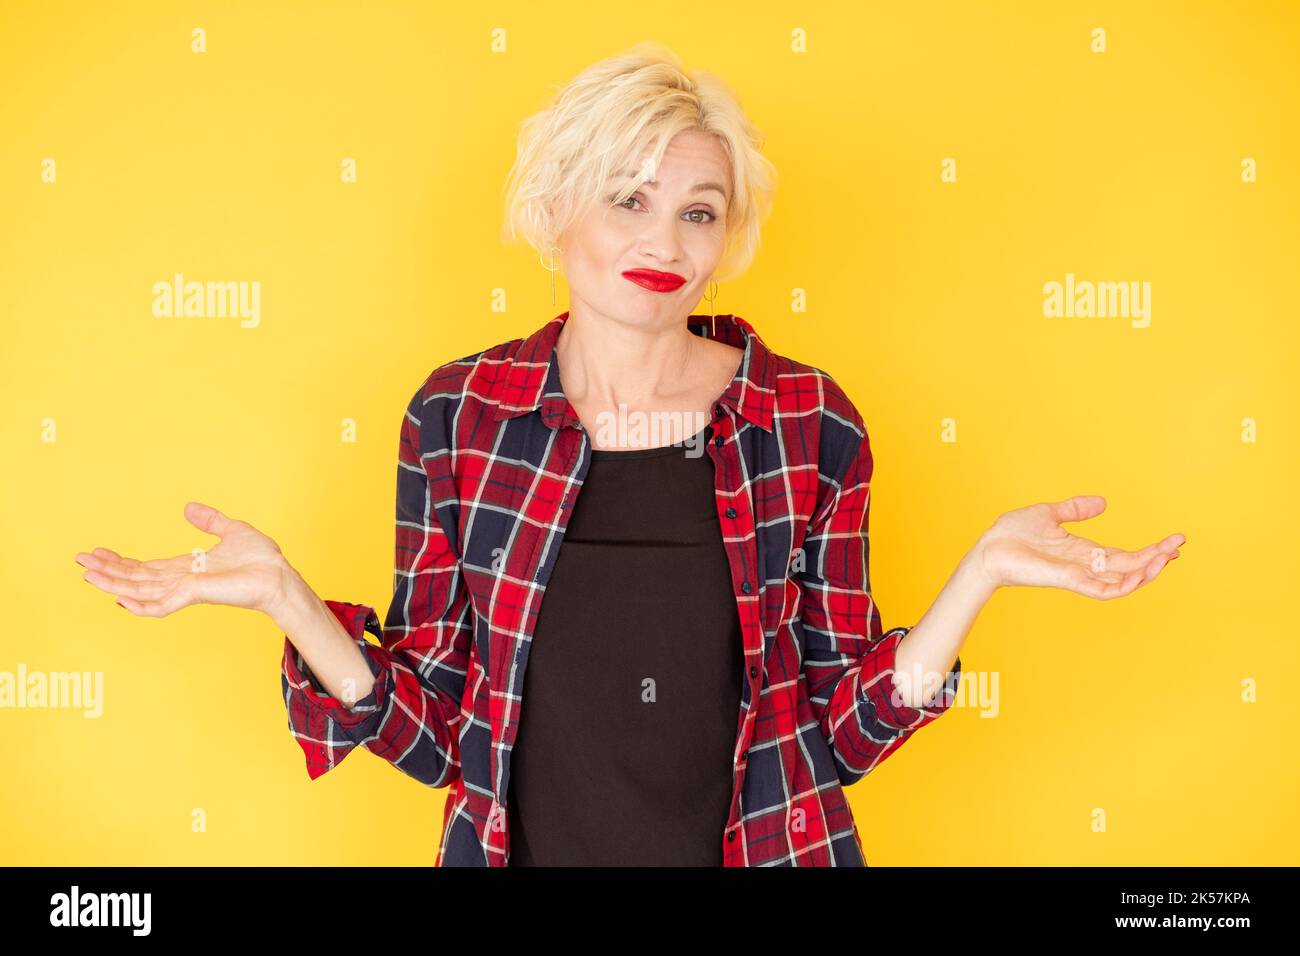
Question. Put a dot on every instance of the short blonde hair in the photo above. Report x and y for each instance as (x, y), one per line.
(598, 126)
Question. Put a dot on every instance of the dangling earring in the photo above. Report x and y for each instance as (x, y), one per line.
(551, 270)
(712, 297)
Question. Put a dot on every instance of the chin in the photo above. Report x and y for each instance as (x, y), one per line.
(642, 307)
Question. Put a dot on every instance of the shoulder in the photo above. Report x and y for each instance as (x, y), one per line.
(811, 391)
(462, 386)
(826, 415)
(468, 376)
(831, 398)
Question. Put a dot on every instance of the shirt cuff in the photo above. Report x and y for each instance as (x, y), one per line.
(356, 620)
(878, 686)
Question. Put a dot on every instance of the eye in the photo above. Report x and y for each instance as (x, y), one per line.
(690, 212)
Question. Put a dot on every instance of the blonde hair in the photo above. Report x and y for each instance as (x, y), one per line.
(598, 126)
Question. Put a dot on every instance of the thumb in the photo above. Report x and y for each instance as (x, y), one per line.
(206, 518)
(1078, 508)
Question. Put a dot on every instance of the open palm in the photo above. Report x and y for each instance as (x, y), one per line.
(1028, 546)
(245, 569)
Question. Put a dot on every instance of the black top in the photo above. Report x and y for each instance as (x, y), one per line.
(631, 692)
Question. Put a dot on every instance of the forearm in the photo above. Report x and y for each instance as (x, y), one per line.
(926, 654)
(338, 664)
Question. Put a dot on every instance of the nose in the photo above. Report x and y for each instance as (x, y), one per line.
(661, 241)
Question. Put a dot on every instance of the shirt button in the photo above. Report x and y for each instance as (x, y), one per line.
(731, 835)
(744, 754)
(718, 441)
(753, 672)
(746, 587)
(731, 512)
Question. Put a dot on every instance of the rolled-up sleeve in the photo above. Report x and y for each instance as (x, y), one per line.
(849, 661)
(412, 716)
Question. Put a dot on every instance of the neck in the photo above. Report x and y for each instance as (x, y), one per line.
(608, 362)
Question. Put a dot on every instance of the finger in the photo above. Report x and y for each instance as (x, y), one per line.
(206, 518)
(179, 562)
(1156, 566)
(174, 601)
(1100, 585)
(1167, 545)
(104, 559)
(1118, 559)
(1125, 585)
(140, 590)
(90, 558)
(1081, 581)
(1138, 577)
(113, 556)
(126, 572)
(1104, 585)
(1125, 561)
(1078, 508)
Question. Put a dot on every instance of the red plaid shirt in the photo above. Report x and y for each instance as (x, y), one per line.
(491, 460)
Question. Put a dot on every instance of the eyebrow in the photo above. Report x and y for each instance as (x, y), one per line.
(697, 188)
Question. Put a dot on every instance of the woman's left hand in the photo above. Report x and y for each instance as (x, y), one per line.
(1028, 546)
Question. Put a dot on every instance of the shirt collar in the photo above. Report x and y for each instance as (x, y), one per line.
(529, 379)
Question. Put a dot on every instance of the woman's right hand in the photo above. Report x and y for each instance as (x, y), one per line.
(245, 569)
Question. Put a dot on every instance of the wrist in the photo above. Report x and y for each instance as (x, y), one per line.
(976, 570)
(294, 601)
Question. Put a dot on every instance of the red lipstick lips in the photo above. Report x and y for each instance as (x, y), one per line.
(655, 281)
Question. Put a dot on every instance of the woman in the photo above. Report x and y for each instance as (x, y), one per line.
(708, 670)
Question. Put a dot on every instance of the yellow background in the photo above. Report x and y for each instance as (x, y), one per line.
(924, 301)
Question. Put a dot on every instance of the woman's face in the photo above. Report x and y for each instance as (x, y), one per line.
(674, 224)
